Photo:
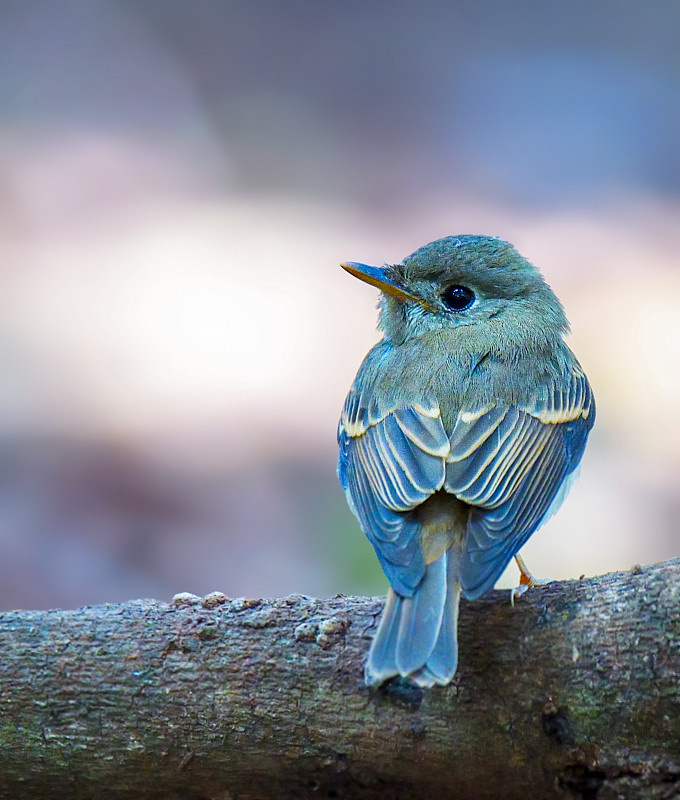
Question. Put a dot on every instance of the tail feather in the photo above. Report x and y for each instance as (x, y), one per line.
(443, 659)
(421, 619)
(417, 636)
(382, 657)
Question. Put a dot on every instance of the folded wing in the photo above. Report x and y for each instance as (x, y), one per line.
(509, 463)
(391, 460)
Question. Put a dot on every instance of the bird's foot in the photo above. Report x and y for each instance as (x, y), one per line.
(526, 580)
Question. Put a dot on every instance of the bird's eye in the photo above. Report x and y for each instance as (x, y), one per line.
(458, 298)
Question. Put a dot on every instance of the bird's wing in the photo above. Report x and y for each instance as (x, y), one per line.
(509, 463)
(391, 460)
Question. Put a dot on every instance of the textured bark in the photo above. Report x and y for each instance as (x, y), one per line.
(573, 693)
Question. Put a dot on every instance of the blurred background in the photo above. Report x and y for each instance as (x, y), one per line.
(178, 183)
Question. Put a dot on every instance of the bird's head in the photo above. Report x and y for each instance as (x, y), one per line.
(467, 280)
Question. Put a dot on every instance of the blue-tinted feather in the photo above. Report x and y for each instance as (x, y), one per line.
(391, 460)
(510, 465)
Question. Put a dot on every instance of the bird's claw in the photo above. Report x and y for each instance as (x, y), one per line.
(526, 580)
(517, 592)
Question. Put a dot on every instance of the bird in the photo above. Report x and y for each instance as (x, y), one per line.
(459, 437)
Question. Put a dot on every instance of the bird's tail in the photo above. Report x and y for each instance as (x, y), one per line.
(418, 636)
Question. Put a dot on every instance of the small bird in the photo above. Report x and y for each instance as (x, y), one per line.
(459, 437)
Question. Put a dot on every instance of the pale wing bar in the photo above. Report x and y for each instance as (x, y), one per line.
(390, 462)
(509, 463)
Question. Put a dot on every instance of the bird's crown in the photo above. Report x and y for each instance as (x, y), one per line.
(489, 263)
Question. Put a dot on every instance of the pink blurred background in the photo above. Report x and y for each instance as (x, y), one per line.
(178, 183)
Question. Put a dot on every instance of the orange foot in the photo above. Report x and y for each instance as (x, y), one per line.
(526, 580)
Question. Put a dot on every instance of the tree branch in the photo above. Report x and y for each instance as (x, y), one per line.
(574, 692)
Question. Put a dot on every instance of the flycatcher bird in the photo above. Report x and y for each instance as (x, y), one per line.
(459, 437)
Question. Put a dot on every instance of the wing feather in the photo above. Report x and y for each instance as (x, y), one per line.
(468, 438)
(391, 460)
(474, 465)
(509, 463)
(423, 429)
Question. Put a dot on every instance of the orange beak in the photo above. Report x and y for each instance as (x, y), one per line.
(377, 276)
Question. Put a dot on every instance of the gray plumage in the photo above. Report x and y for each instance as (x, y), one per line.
(460, 428)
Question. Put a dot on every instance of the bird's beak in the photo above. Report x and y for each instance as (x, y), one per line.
(378, 276)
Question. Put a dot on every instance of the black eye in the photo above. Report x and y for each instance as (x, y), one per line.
(458, 298)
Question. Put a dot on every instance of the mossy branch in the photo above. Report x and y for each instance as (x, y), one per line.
(573, 692)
